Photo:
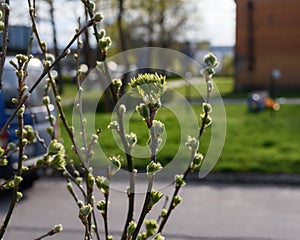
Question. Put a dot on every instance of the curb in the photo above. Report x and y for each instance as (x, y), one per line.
(213, 177)
(248, 178)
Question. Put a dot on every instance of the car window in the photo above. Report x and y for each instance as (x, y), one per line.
(10, 85)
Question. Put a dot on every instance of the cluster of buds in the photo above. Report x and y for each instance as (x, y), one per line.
(101, 206)
(155, 196)
(211, 63)
(131, 139)
(55, 156)
(205, 117)
(152, 168)
(151, 227)
(131, 228)
(104, 42)
(149, 87)
(103, 184)
(192, 143)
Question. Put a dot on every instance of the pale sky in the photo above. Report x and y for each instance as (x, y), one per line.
(212, 20)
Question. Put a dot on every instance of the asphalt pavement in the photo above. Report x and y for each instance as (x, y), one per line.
(213, 211)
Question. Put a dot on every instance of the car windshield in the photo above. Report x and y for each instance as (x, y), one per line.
(10, 86)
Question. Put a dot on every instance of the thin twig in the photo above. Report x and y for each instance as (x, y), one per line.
(21, 84)
(4, 40)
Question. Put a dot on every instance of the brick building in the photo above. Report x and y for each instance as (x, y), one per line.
(267, 38)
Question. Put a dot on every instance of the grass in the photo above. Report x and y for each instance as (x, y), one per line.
(259, 142)
(255, 142)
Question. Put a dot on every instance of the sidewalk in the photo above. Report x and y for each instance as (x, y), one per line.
(208, 211)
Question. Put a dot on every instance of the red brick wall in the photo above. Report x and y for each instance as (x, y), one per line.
(267, 37)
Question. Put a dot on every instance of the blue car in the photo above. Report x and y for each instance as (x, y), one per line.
(35, 115)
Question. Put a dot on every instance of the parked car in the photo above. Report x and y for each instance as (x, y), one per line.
(35, 115)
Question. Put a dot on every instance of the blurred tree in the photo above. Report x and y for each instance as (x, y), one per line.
(157, 22)
(146, 23)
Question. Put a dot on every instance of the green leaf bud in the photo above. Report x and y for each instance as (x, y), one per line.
(55, 147)
(109, 237)
(131, 228)
(18, 180)
(115, 165)
(131, 139)
(50, 130)
(176, 201)
(114, 125)
(102, 33)
(98, 17)
(57, 228)
(206, 107)
(155, 196)
(80, 203)
(192, 143)
(153, 167)
(179, 181)
(29, 133)
(3, 162)
(91, 180)
(103, 184)
(24, 88)
(142, 236)
(79, 180)
(68, 51)
(14, 101)
(117, 83)
(206, 119)
(19, 196)
(44, 46)
(163, 213)
(143, 110)
(70, 187)
(25, 168)
(85, 210)
(151, 226)
(92, 6)
(46, 100)
(101, 206)
(9, 184)
(58, 98)
(21, 58)
(210, 60)
(198, 159)
(58, 162)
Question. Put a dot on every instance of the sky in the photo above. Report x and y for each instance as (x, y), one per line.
(211, 20)
(217, 21)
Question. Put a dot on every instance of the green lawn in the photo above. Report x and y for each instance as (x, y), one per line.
(259, 142)
(255, 142)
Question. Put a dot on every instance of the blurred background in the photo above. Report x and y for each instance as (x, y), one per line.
(255, 41)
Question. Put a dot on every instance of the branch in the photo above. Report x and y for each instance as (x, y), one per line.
(4, 40)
